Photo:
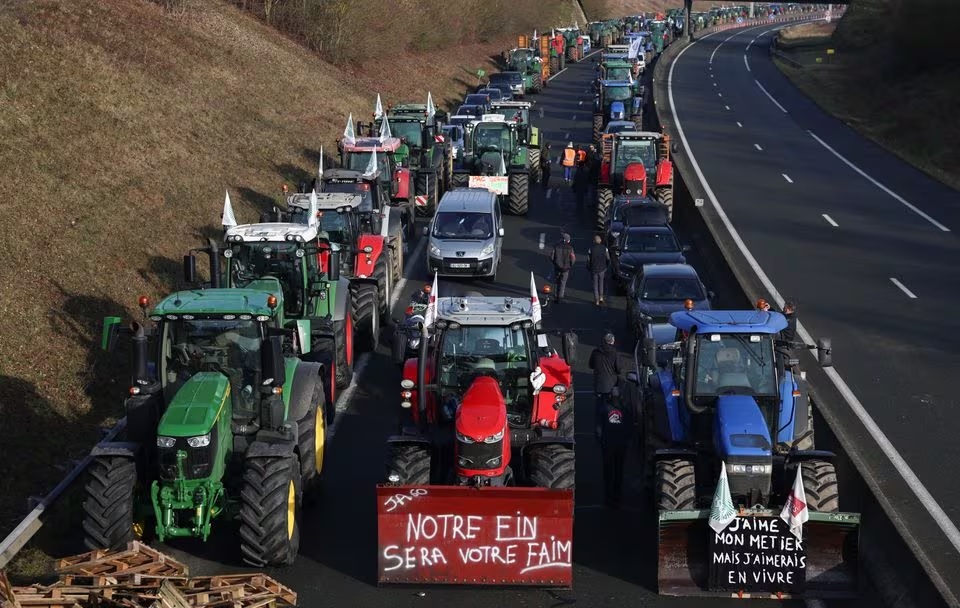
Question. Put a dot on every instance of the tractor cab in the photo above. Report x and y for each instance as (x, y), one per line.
(617, 69)
(495, 142)
(392, 160)
(627, 152)
(517, 112)
(617, 100)
(344, 181)
(341, 220)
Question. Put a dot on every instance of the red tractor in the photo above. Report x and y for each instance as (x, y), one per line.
(487, 411)
(634, 162)
(390, 153)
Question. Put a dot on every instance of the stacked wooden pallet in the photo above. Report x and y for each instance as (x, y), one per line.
(141, 577)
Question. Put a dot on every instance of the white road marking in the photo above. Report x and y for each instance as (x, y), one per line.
(787, 177)
(543, 239)
(549, 192)
(777, 103)
(739, 125)
(879, 185)
(746, 63)
(727, 107)
(714, 84)
(557, 74)
(830, 220)
(573, 118)
(580, 103)
(719, 94)
(899, 464)
(903, 288)
(757, 146)
(566, 136)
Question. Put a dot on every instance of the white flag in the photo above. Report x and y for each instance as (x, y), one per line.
(634, 48)
(722, 511)
(385, 130)
(228, 220)
(372, 167)
(795, 513)
(431, 109)
(430, 316)
(348, 134)
(534, 35)
(320, 166)
(313, 210)
(536, 314)
(378, 111)
(503, 166)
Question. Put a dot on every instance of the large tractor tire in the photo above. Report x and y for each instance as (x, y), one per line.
(597, 128)
(676, 485)
(519, 185)
(343, 348)
(537, 83)
(108, 509)
(364, 304)
(427, 182)
(535, 172)
(396, 259)
(461, 180)
(270, 504)
(552, 466)
(665, 196)
(604, 202)
(408, 465)
(820, 486)
(565, 417)
(312, 440)
(563, 62)
(554, 65)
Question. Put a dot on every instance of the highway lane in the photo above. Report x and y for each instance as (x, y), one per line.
(865, 242)
(614, 551)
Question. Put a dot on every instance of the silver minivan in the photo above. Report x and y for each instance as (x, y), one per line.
(466, 234)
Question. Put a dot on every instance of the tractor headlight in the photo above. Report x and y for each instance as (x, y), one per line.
(559, 389)
(494, 438)
(166, 442)
(488, 250)
(463, 438)
(494, 462)
(200, 441)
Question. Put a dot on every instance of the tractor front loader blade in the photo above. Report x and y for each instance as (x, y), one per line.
(474, 536)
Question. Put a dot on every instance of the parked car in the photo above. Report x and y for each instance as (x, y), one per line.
(512, 79)
(474, 111)
(656, 290)
(478, 99)
(495, 94)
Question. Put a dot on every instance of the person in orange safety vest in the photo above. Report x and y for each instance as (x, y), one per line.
(568, 160)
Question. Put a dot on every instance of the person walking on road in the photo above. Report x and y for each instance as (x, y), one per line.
(598, 259)
(615, 432)
(568, 160)
(788, 336)
(605, 363)
(545, 166)
(563, 259)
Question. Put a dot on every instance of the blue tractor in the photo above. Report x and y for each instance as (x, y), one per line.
(715, 388)
(617, 100)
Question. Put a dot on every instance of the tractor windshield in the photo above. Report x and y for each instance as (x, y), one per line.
(735, 364)
(230, 346)
(635, 151)
(411, 129)
(361, 188)
(470, 351)
(649, 241)
(491, 136)
(617, 93)
(251, 261)
(619, 73)
(512, 114)
(358, 161)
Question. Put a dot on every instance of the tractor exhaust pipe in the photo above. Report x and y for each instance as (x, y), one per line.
(689, 384)
(214, 265)
(139, 356)
(422, 379)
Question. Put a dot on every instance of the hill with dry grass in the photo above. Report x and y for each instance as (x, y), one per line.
(121, 125)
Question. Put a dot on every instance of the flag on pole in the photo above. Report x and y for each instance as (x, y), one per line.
(385, 130)
(795, 513)
(372, 166)
(430, 316)
(634, 48)
(313, 210)
(536, 315)
(228, 220)
(378, 111)
(503, 167)
(431, 109)
(348, 134)
(534, 34)
(722, 511)
(320, 166)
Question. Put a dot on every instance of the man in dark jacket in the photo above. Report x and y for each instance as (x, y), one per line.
(563, 259)
(615, 432)
(605, 363)
(597, 260)
(545, 166)
(786, 350)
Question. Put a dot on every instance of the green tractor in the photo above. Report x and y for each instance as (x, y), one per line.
(224, 419)
(519, 112)
(525, 61)
(499, 162)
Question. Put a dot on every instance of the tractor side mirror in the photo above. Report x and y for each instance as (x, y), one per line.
(825, 352)
(272, 364)
(333, 264)
(108, 337)
(569, 346)
(649, 352)
(190, 268)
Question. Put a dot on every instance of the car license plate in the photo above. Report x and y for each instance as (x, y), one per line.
(459, 265)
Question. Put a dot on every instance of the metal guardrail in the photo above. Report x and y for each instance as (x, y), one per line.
(32, 523)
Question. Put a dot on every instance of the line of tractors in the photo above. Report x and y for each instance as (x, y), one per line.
(235, 379)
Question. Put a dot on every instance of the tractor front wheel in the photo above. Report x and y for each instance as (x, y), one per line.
(344, 349)
(108, 509)
(364, 303)
(552, 466)
(408, 465)
(519, 187)
(312, 440)
(597, 128)
(820, 486)
(604, 202)
(665, 196)
(535, 165)
(565, 417)
(676, 485)
(270, 511)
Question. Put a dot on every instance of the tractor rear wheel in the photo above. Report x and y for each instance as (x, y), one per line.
(535, 164)
(554, 65)
(565, 417)
(820, 486)
(427, 185)
(461, 180)
(311, 440)
(676, 485)
(597, 128)
(108, 510)
(270, 504)
(519, 186)
(408, 464)
(604, 202)
(396, 256)
(552, 466)
(364, 303)
(665, 196)
(344, 349)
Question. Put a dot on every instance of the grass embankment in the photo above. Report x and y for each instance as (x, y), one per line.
(121, 126)
(894, 77)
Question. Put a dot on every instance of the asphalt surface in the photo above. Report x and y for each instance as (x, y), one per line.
(614, 551)
(866, 244)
